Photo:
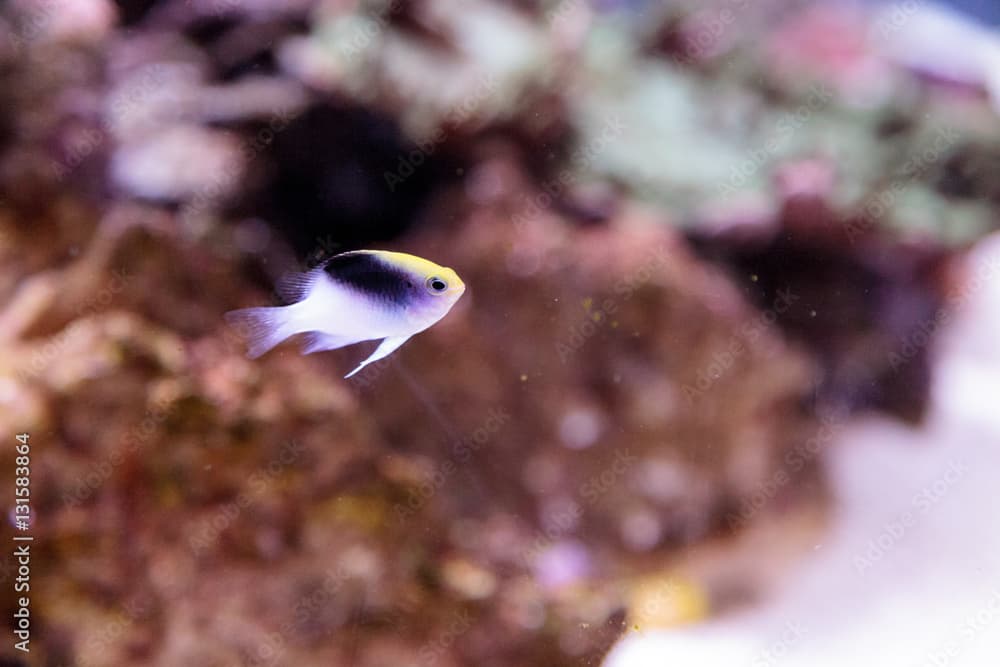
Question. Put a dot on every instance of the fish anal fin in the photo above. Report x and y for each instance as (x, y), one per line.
(318, 341)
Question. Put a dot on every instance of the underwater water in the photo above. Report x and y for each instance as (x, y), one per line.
(442, 333)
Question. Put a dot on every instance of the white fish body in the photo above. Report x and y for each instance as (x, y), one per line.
(354, 297)
(932, 38)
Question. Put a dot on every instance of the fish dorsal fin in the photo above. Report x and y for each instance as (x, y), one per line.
(294, 287)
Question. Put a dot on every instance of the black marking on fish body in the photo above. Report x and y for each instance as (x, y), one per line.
(367, 274)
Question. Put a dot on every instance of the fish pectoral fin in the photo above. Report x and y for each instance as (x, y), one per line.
(385, 348)
(318, 341)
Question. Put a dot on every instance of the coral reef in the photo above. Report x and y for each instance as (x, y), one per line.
(468, 499)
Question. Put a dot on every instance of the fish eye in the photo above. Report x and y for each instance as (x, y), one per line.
(436, 285)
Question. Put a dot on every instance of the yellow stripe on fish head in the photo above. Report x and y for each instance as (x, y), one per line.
(428, 272)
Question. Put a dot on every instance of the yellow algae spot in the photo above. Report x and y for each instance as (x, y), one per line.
(614, 325)
(587, 303)
(169, 492)
(364, 512)
(663, 601)
(753, 277)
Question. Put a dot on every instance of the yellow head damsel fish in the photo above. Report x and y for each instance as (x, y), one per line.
(353, 297)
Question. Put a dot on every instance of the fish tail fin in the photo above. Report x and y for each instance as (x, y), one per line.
(262, 328)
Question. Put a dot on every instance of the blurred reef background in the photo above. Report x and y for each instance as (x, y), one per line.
(695, 246)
